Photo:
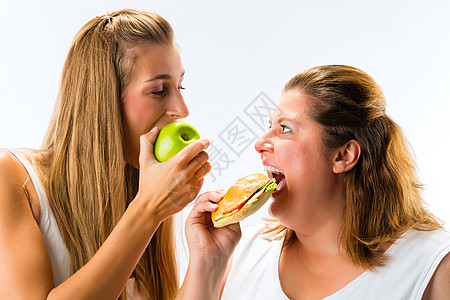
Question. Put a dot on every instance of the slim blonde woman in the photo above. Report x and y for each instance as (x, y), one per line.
(350, 219)
(89, 216)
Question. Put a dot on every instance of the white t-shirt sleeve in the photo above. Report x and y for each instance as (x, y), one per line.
(254, 271)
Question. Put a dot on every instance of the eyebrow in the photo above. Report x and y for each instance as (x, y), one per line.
(164, 76)
(294, 120)
(281, 119)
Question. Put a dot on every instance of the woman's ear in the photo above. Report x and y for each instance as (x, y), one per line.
(347, 157)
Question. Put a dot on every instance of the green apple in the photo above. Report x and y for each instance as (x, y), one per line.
(172, 138)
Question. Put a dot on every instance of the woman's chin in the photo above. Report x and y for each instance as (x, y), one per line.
(278, 204)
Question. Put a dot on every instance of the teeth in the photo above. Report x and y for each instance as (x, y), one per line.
(273, 170)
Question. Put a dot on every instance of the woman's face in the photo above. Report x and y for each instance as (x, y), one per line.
(152, 97)
(292, 151)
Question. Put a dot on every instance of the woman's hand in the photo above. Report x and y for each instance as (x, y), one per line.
(210, 249)
(203, 238)
(166, 188)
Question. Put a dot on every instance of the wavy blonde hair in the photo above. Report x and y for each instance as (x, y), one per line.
(383, 192)
(89, 183)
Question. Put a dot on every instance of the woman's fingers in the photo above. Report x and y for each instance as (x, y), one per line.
(176, 182)
(190, 152)
(197, 169)
(200, 173)
(219, 195)
(213, 196)
(200, 183)
(206, 207)
(198, 162)
(197, 214)
(146, 146)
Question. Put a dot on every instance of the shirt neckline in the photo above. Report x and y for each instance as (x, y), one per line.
(362, 276)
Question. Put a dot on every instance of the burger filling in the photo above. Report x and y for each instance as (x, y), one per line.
(270, 186)
(278, 175)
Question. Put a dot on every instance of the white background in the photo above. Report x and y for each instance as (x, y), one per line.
(234, 50)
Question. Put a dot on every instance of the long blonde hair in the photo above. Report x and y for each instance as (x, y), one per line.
(383, 192)
(89, 183)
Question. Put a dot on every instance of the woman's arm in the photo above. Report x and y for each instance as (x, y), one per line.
(210, 250)
(165, 188)
(225, 277)
(25, 271)
(439, 286)
(106, 274)
(203, 279)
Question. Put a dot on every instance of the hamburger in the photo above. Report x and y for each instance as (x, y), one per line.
(244, 198)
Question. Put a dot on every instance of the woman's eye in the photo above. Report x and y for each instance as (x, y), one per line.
(285, 129)
(159, 93)
(180, 88)
(156, 91)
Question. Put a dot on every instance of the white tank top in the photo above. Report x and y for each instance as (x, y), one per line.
(413, 260)
(56, 248)
(57, 251)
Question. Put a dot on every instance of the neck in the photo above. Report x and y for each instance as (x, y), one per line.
(318, 240)
(321, 254)
(320, 244)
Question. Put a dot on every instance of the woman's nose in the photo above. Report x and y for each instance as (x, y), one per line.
(177, 107)
(264, 144)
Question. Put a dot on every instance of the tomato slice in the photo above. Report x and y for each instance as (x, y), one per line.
(241, 205)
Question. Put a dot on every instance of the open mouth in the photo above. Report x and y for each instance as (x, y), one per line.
(278, 175)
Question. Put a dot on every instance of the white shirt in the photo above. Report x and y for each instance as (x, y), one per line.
(413, 259)
(57, 251)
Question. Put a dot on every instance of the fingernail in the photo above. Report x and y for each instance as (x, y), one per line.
(221, 193)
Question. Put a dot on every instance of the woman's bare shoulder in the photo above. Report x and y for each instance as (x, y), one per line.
(439, 285)
(11, 170)
(15, 183)
(24, 257)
